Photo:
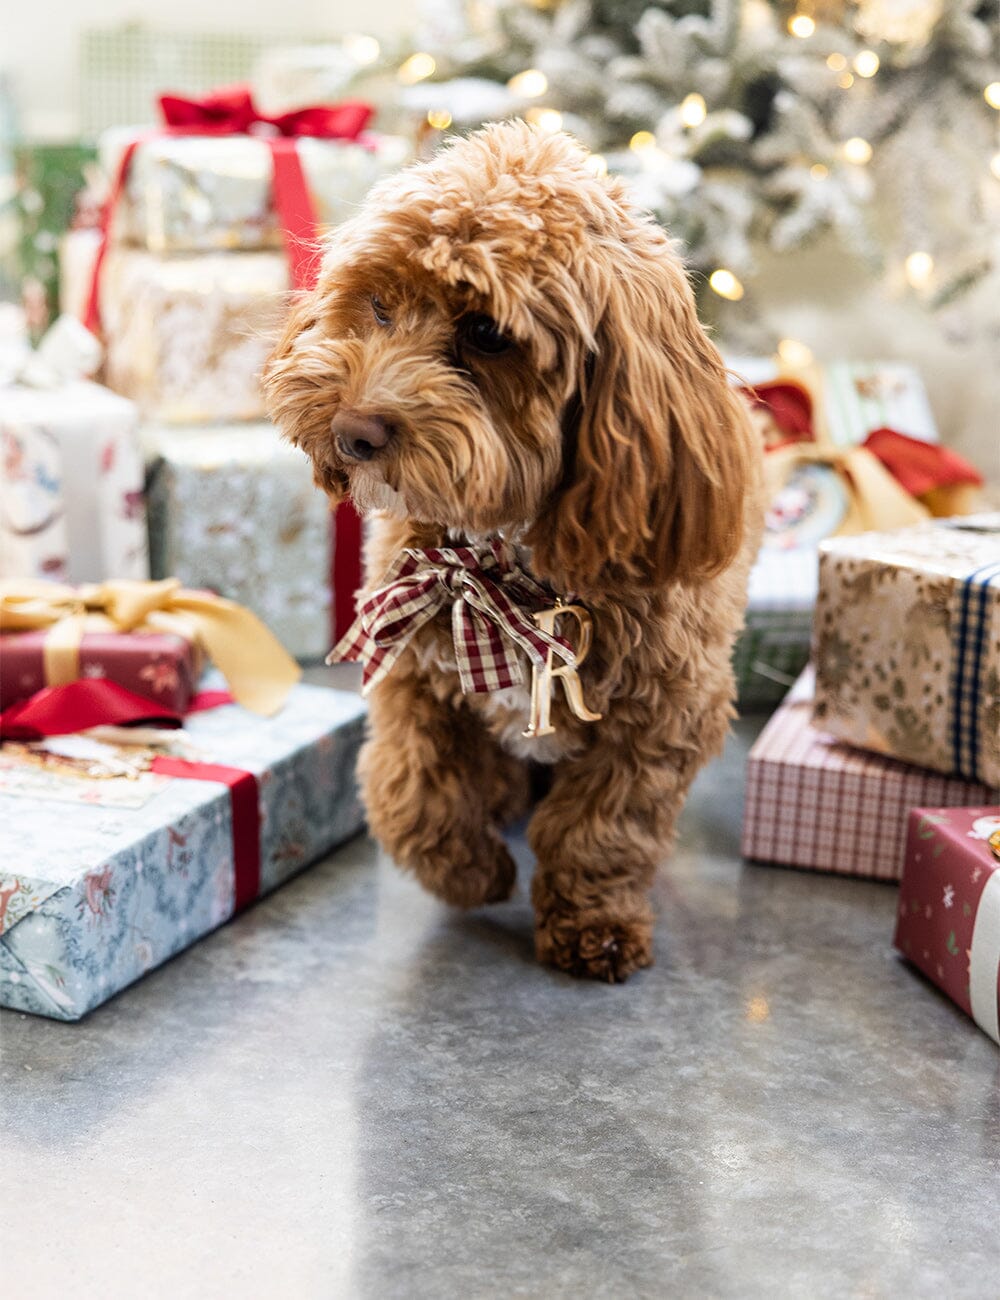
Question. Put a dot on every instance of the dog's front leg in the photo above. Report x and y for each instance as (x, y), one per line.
(437, 788)
(599, 836)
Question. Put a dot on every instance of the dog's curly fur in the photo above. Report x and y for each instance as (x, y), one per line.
(606, 441)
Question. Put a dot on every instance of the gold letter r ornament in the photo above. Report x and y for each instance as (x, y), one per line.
(539, 723)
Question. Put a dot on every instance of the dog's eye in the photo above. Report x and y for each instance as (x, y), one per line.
(379, 311)
(483, 334)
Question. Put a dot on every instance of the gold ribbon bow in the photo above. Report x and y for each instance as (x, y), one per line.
(257, 669)
(876, 500)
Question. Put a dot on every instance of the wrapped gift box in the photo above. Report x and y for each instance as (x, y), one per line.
(815, 803)
(163, 666)
(907, 640)
(71, 491)
(857, 397)
(187, 337)
(197, 193)
(234, 509)
(140, 866)
(948, 922)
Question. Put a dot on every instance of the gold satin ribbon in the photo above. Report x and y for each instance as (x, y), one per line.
(257, 669)
(876, 500)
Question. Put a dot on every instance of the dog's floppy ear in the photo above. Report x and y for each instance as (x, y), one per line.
(659, 453)
(297, 391)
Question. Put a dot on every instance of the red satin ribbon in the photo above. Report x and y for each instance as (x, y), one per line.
(244, 798)
(89, 702)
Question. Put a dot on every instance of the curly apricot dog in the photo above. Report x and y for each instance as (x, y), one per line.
(501, 346)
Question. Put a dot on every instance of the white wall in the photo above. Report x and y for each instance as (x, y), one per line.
(39, 38)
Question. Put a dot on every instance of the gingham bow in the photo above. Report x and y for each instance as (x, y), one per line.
(491, 605)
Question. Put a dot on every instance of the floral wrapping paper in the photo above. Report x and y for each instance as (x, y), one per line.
(234, 509)
(142, 868)
(162, 666)
(199, 193)
(907, 644)
(857, 398)
(71, 485)
(187, 336)
(948, 917)
(814, 803)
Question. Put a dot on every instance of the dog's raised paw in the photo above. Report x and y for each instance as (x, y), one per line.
(467, 874)
(609, 949)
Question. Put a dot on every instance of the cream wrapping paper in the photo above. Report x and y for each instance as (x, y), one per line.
(187, 337)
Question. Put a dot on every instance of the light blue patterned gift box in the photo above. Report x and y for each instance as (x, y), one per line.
(93, 895)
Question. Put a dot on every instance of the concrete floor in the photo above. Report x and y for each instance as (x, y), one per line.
(351, 1092)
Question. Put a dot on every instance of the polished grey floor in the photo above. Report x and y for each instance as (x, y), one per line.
(352, 1092)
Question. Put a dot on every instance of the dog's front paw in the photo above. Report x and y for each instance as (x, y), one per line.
(593, 945)
(466, 873)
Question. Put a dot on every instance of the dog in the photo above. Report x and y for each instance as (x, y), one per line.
(502, 347)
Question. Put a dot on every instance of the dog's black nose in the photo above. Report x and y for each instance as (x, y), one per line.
(360, 437)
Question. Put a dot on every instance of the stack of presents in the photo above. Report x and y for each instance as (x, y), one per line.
(153, 525)
(883, 760)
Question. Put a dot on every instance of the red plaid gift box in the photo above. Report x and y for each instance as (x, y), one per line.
(948, 923)
(816, 803)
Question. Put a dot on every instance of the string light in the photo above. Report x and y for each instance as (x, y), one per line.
(641, 141)
(693, 110)
(866, 63)
(801, 25)
(836, 62)
(725, 284)
(549, 120)
(995, 165)
(845, 81)
(857, 151)
(919, 269)
(992, 94)
(439, 119)
(597, 164)
(416, 68)
(819, 171)
(794, 354)
(528, 84)
(757, 1010)
(364, 50)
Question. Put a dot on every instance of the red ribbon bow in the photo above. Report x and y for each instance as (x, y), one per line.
(230, 110)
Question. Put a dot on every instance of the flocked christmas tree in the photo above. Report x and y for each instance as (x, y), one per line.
(745, 124)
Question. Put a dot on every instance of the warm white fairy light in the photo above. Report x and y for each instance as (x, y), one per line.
(528, 84)
(866, 63)
(995, 165)
(857, 151)
(801, 25)
(992, 94)
(836, 62)
(549, 120)
(794, 354)
(845, 81)
(919, 269)
(597, 163)
(439, 119)
(693, 110)
(417, 67)
(641, 141)
(819, 171)
(364, 50)
(725, 284)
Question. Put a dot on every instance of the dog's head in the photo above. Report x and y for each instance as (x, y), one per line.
(500, 341)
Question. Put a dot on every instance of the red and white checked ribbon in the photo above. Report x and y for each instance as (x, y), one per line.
(491, 600)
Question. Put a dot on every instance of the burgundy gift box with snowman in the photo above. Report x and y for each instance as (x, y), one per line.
(948, 921)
